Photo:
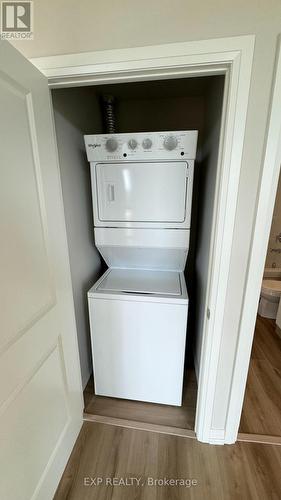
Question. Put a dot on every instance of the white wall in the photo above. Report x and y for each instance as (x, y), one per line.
(67, 27)
(77, 113)
(63, 27)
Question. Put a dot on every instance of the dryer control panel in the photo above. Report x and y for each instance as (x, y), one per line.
(142, 146)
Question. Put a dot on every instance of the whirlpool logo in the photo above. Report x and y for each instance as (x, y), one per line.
(94, 145)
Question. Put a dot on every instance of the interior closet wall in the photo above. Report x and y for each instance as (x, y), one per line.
(157, 114)
(159, 105)
(76, 112)
(206, 193)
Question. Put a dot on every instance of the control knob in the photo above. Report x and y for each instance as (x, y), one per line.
(111, 145)
(132, 143)
(170, 142)
(147, 143)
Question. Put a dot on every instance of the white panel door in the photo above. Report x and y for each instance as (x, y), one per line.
(40, 386)
(142, 192)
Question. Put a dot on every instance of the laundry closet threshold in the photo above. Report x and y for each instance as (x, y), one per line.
(176, 420)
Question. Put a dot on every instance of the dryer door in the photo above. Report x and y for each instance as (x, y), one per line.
(151, 192)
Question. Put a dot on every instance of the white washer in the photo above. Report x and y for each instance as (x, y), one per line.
(142, 196)
(138, 323)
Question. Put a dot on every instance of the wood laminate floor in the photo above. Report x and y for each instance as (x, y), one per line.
(262, 403)
(244, 471)
(174, 416)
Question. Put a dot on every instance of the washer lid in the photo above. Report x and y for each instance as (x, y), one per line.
(142, 281)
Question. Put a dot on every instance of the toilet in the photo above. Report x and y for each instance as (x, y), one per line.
(270, 293)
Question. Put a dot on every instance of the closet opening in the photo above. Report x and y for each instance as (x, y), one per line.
(194, 103)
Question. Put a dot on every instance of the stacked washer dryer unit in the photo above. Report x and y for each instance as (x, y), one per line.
(142, 194)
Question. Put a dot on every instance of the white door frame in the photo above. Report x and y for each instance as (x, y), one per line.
(257, 256)
(230, 56)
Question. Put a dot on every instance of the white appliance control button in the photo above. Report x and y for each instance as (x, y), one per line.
(170, 142)
(147, 143)
(111, 144)
(132, 143)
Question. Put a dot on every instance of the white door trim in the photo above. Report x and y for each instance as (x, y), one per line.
(230, 56)
(261, 231)
(145, 63)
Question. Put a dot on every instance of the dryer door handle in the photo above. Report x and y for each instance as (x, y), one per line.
(110, 192)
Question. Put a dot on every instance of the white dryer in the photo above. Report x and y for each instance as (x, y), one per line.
(142, 194)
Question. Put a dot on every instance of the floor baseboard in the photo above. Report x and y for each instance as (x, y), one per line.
(259, 438)
(175, 431)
